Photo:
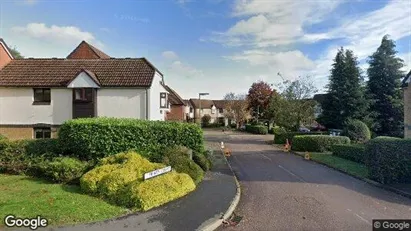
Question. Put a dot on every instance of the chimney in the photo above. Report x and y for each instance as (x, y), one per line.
(5, 55)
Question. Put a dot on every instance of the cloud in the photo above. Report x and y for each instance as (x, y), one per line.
(169, 55)
(56, 34)
(177, 68)
(105, 29)
(30, 2)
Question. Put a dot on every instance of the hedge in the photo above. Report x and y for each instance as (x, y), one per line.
(256, 129)
(354, 152)
(357, 131)
(119, 179)
(389, 160)
(61, 170)
(282, 137)
(94, 138)
(318, 143)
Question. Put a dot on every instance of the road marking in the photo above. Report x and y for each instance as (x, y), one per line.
(289, 172)
(362, 218)
(266, 157)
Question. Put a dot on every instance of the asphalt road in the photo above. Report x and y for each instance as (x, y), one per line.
(281, 191)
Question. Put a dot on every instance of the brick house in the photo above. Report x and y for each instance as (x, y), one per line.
(177, 106)
(407, 105)
(214, 108)
(38, 95)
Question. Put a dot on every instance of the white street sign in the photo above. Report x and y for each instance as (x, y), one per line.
(157, 172)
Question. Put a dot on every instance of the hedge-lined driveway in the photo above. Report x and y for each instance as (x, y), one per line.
(281, 191)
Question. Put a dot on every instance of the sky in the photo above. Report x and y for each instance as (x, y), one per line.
(213, 46)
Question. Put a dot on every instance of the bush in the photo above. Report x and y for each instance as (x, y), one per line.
(95, 138)
(118, 178)
(205, 120)
(357, 131)
(256, 129)
(202, 161)
(277, 130)
(386, 138)
(62, 169)
(389, 160)
(319, 143)
(177, 159)
(158, 191)
(281, 137)
(353, 152)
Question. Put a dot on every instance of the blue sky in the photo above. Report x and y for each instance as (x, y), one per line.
(214, 46)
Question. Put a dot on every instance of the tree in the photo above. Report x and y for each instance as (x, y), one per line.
(236, 108)
(258, 98)
(345, 99)
(293, 107)
(16, 54)
(384, 89)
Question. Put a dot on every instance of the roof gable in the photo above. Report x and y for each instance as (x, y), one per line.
(87, 51)
(173, 97)
(6, 48)
(84, 79)
(407, 80)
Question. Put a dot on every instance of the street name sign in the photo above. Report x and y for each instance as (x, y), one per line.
(157, 172)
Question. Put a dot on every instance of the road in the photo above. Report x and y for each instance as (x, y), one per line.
(282, 191)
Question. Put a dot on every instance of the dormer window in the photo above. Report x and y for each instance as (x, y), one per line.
(163, 100)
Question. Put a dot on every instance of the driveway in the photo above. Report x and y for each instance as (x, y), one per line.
(281, 191)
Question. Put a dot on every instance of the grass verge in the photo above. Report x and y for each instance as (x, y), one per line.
(347, 166)
(60, 204)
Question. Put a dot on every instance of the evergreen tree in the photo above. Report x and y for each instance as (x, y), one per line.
(384, 89)
(345, 99)
(16, 54)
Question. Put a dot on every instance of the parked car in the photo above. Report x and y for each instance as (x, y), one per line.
(303, 129)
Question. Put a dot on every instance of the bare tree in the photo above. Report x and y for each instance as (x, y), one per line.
(236, 107)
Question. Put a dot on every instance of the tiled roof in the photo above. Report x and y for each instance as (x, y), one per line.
(173, 97)
(84, 45)
(137, 72)
(205, 103)
(220, 103)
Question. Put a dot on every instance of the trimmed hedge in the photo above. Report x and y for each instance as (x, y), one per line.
(354, 152)
(281, 138)
(318, 143)
(61, 169)
(256, 129)
(94, 138)
(119, 179)
(357, 131)
(389, 160)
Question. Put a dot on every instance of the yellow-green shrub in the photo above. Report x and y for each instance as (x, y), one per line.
(159, 190)
(89, 181)
(117, 179)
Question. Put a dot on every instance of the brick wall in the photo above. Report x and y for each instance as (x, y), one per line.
(407, 112)
(20, 132)
(176, 113)
(83, 52)
(4, 57)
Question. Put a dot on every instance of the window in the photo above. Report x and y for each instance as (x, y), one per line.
(42, 95)
(42, 133)
(213, 110)
(220, 110)
(163, 100)
(191, 110)
(83, 94)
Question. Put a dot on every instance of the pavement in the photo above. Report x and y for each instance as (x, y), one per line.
(282, 191)
(199, 210)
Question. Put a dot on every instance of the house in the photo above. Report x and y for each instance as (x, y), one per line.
(407, 105)
(319, 98)
(214, 108)
(38, 95)
(177, 106)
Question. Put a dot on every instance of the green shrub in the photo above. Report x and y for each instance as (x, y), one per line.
(202, 161)
(178, 160)
(256, 129)
(62, 169)
(277, 130)
(281, 138)
(41, 146)
(118, 178)
(94, 138)
(357, 131)
(354, 152)
(386, 138)
(159, 190)
(2, 137)
(318, 143)
(389, 160)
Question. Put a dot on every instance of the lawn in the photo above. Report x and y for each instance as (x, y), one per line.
(344, 165)
(60, 204)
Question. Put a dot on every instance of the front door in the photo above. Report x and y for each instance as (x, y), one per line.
(84, 102)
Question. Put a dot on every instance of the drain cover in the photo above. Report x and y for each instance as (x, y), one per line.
(233, 220)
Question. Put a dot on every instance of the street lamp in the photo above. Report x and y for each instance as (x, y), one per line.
(199, 99)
